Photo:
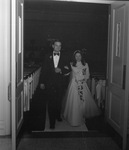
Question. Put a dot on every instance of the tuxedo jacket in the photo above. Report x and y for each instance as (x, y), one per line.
(48, 75)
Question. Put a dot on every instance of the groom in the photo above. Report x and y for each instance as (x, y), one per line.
(51, 79)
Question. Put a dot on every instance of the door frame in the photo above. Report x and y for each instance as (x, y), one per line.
(126, 117)
(13, 71)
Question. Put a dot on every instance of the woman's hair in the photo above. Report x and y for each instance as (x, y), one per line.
(74, 59)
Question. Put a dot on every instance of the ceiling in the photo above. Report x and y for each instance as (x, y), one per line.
(81, 1)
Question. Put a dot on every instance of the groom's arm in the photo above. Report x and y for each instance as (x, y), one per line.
(66, 67)
(43, 74)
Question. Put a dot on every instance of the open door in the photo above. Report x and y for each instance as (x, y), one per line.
(16, 67)
(117, 86)
(19, 66)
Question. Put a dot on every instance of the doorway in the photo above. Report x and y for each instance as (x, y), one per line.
(45, 21)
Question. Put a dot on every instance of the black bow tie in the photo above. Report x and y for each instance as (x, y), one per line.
(56, 54)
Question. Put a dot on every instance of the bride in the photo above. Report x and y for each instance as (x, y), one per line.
(79, 103)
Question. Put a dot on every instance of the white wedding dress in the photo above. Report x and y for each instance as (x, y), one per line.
(79, 103)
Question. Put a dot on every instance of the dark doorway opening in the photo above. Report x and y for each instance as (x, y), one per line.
(78, 26)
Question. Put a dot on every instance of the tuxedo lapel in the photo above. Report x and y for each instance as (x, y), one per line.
(60, 59)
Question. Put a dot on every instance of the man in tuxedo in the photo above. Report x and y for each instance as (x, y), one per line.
(54, 68)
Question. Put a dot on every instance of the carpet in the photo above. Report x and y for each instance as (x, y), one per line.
(90, 143)
(63, 126)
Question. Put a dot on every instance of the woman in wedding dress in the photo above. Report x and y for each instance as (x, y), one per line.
(79, 103)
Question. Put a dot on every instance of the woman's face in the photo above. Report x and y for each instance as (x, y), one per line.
(78, 57)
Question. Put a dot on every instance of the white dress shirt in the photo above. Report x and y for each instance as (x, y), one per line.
(56, 59)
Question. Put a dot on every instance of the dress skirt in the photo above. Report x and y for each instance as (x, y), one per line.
(79, 103)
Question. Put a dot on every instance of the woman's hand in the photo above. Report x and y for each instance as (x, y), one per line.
(58, 70)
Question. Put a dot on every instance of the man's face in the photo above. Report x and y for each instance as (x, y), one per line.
(57, 46)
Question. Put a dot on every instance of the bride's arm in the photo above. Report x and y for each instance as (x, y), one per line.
(71, 73)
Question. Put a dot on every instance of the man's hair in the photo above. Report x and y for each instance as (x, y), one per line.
(56, 40)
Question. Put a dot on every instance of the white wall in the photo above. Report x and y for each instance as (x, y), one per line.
(4, 66)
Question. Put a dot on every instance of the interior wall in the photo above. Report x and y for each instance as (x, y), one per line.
(75, 30)
(5, 118)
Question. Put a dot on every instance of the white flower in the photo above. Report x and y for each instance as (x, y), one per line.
(66, 67)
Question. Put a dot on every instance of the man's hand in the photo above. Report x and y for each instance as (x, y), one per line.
(42, 86)
(57, 70)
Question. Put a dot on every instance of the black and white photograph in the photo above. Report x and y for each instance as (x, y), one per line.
(64, 75)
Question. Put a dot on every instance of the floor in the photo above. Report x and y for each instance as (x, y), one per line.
(95, 134)
(90, 143)
(5, 143)
(65, 137)
(63, 141)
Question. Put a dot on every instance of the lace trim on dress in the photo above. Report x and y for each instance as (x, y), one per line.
(80, 88)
